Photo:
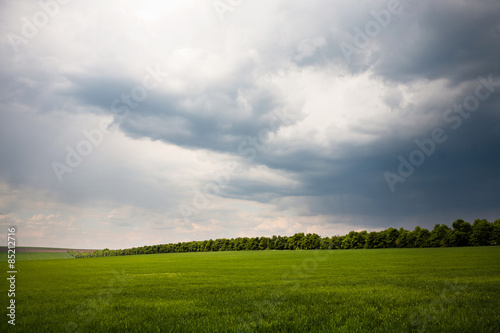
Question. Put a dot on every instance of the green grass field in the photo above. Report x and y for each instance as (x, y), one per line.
(387, 290)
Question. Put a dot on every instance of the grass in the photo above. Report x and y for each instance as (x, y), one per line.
(386, 290)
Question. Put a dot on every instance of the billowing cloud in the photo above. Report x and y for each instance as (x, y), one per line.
(147, 123)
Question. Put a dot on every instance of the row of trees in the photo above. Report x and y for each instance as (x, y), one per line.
(480, 233)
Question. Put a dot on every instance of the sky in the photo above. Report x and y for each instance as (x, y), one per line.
(131, 123)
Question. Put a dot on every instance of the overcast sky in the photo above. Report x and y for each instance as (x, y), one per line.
(131, 123)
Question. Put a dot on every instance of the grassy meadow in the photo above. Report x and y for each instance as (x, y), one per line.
(386, 290)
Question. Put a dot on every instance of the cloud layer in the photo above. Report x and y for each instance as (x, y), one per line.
(125, 124)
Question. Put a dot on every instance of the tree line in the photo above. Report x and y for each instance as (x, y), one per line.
(479, 233)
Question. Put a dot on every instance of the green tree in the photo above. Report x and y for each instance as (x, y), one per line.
(481, 233)
(336, 242)
(325, 243)
(440, 236)
(311, 241)
(354, 240)
(391, 236)
(280, 243)
(421, 237)
(264, 243)
(253, 243)
(461, 233)
(496, 233)
(406, 239)
(295, 242)
(371, 239)
(209, 246)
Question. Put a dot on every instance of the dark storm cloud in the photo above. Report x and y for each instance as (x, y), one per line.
(460, 177)
(440, 40)
(96, 91)
(424, 40)
(443, 39)
(211, 119)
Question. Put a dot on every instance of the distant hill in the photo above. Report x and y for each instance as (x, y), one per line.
(44, 249)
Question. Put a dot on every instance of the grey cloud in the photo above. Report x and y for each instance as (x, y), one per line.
(442, 40)
(211, 119)
(460, 177)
